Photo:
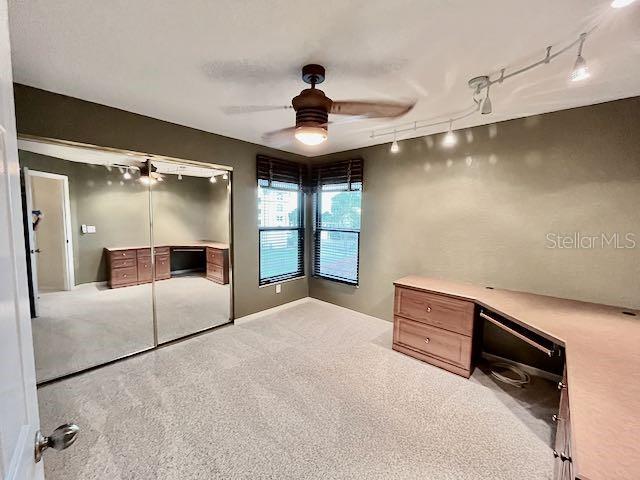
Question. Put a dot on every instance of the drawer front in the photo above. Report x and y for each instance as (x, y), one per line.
(161, 250)
(215, 256)
(436, 310)
(125, 275)
(143, 252)
(215, 272)
(121, 254)
(163, 266)
(123, 262)
(144, 269)
(442, 344)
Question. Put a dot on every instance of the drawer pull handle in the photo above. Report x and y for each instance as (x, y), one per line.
(561, 385)
(564, 457)
(427, 340)
(428, 309)
(555, 454)
(124, 276)
(555, 418)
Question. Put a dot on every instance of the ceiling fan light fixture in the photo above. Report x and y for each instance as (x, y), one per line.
(310, 135)
(621, 3)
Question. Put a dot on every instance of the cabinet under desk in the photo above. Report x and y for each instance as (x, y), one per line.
(598, 422)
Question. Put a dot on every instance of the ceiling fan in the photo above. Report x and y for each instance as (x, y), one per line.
(313, 107)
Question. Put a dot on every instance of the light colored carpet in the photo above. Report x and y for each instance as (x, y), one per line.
(93, 324)
(310, 392)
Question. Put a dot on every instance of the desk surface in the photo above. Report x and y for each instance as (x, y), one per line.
(218, 245)
(602, 347)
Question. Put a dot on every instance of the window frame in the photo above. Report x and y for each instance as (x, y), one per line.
(300, 229)
(318, 229)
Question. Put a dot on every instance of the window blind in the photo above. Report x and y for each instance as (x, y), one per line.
(280, 219)
(337, 195)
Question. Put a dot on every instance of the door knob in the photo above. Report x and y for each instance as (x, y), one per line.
(61, 438)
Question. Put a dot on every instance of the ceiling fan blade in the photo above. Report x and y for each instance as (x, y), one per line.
(370, 109)
(281, 136)
(243, 109)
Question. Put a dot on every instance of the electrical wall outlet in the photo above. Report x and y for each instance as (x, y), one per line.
(91, 229)
(278, 288)
(83, 228)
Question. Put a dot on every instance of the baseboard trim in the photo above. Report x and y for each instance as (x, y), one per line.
(268, 311)
(527, 368)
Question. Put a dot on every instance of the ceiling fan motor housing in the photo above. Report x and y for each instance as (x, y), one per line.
(312, 108)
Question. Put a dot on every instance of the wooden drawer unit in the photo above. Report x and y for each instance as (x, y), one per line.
(163, 267)
(123, 262)
(143, 252)
(162, 250)
(215, 256)
(437, 342)
(144, 269)
(563, 466)
(218, 265)
(435, 329)
(437, 310)
(122, 254)
(121, 277)
(122, 270)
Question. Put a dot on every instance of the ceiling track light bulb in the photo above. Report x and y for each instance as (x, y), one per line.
(127, 174)
(225, 176)
(395, 148)
(486, 105)
(213, 179)
(621, 3)
(450, 138)
(580, 70)
(179, 176)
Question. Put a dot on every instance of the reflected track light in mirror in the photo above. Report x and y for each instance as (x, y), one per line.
(127, 174)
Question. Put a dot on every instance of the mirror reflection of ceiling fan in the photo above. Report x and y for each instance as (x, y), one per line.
(313, 107)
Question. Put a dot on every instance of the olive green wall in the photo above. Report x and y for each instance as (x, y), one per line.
(480, 212)
(51, 115)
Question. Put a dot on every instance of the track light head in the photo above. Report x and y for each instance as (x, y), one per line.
(450, 138)
(213, 179)
(580, 70)
(127, 175)
(225, 176)
(395, 148)
(486, 105)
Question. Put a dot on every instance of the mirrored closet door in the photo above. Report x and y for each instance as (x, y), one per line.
(191, 219)
(87, 230)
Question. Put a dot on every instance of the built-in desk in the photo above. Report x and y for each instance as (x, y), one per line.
(132, 265)
(599, 419)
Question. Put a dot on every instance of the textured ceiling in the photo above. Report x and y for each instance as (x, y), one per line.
(188, 62)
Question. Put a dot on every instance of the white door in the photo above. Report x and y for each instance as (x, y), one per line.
(19, 420)
(33, 248)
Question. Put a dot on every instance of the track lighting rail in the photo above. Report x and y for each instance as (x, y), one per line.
(480, 84)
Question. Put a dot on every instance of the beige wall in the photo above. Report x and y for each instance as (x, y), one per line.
(47, 114)
(48, 196)
(480, 212)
